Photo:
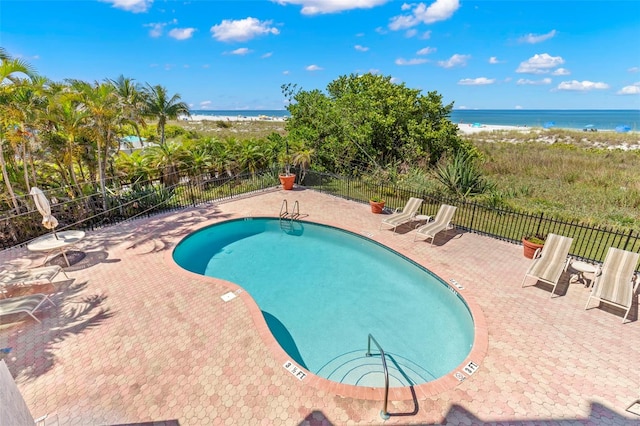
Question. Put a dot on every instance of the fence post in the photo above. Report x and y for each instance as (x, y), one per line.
(193, 198)
(626, 243)
(473, 215)
(539, 223)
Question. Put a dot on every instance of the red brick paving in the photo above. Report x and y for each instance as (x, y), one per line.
(136, 339)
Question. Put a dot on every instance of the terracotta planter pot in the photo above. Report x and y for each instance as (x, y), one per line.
(287, 181)
(376, 206)
(530, 248)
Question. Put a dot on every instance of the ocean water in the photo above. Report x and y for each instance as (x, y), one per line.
(565, 119)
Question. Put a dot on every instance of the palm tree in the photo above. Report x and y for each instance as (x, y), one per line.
(24, 109)
(105, 118)
(10, 70)
(159, 105)
(69, 120)
(250, 156)
(302, 158)
(168, 158)
(131, 101)
(134, 166)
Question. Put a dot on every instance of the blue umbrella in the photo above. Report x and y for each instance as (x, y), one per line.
(549, 124)
(477, 125)
(623, 128)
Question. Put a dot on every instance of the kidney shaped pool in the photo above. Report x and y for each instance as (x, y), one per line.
(323, 290)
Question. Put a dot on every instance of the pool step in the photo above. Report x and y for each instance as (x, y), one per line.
(355, 368)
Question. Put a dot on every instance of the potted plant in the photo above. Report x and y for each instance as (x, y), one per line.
(531, 243)
(377, 204)
(287, 178)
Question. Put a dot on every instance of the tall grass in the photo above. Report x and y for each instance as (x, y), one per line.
(592, 185)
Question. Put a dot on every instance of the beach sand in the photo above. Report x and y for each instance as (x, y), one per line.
(469, 129)
(238, 117)
(464, 128)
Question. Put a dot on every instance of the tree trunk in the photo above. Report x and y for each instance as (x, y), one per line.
(5, 176)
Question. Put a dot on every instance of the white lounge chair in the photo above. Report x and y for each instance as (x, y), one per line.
(408, 214)
(550, 262)
(25, 277)
(614, 282)
(441, 222)
(24, 304)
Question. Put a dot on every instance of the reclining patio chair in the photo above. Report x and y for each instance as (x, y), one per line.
(27, 304)
(407, 215)
(551, 261)
(442, 222)
(26, 277)
(613, 283)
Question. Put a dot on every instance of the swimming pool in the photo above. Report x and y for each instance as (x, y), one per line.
(322, 290)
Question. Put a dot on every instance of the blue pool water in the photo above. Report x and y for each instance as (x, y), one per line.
(323, 290)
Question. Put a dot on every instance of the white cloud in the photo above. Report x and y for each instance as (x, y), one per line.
(633, 89)
(411, 33)
(426, 50)
(540, 64)
(157, 28)
(313, 67)
(455, 61)
(316, 7)
(267, 55)
(634, 69)
(135, 6)
(360, 48)
(494, 60)
(518, 107)
(439, 10)
(527, 82)
(181, 33)
(241, 51)
(537, 38)
(581, 86)
(480, 81)
(206, 66)
(205, 104)
(285, 72)
(414, 61)
(242, 29)
(426, 35)
(561, 71)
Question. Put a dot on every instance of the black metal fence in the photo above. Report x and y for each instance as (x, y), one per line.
(589, 242)
(125, 202)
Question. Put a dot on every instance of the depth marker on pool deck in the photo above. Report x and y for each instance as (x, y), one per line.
(457, 284)
(295, 370)
(228, 296)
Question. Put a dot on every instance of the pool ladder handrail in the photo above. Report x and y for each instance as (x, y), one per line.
(284, 210)
(384, 413)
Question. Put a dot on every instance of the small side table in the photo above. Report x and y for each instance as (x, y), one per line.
(421, 218)
(580, 268)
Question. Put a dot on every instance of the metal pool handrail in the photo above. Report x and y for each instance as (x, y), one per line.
(384, 413)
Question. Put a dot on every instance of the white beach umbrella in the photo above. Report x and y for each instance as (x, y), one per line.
(43, 206)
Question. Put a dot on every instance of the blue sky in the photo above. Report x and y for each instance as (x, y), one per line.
(236, 54)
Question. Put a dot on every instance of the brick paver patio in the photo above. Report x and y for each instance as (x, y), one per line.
(136, 339)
